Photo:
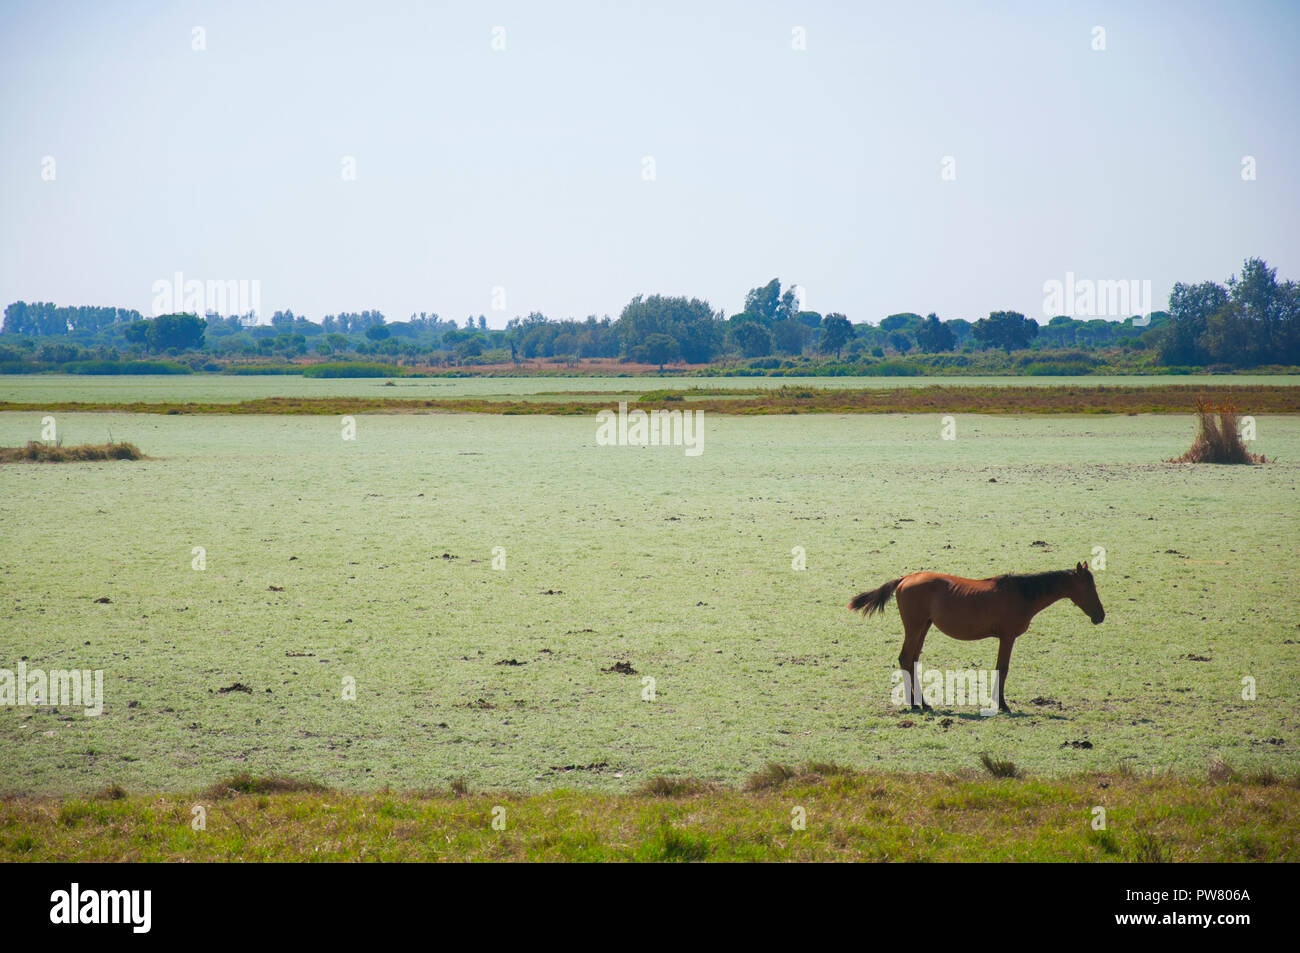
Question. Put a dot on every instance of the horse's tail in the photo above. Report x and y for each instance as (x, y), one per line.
(875, 600)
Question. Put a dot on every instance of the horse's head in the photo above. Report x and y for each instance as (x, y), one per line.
(1083, 593)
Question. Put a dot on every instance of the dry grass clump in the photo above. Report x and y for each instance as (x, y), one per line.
(1000, 767)
(772, 776)
(245, 783)
(775, 775)
(1218, 442)
(1221, 772)
(673, 787)
(36, 452)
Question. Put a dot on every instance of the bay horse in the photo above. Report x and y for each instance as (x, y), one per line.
(1000, 607)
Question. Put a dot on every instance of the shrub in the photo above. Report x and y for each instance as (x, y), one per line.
(351, 369)
(659, 396)
(892, 369)
(126, 367)
(1217, 442)
(1063, 369)
(245, 370)
(44, 453)
(1058, 357)
(999, 768)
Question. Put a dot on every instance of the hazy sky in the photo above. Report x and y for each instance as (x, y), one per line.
(524, 168)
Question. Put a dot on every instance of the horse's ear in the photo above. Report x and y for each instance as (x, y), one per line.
(1078, 567)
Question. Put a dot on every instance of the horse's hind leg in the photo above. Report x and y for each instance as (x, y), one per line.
(914, 632)
(1004, 663)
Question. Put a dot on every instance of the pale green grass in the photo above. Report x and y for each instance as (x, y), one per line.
(210, 388)
(680, 566)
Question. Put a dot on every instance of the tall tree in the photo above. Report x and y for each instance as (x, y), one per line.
(689, 321)
(837, 331)
(751, 338)
(789, 336)
(933, 336)
(1009, 330)
(1190, 307)
(659, 349)
(765, 301)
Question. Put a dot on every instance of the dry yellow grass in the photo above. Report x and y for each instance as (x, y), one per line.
(1218, 442)
(36, 452)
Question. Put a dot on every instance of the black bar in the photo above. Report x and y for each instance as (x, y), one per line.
(330, 902)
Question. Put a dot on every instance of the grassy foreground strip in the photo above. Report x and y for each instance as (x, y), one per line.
(1162, 399)
(847, 816)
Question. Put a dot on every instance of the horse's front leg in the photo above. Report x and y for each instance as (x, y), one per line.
(1005, 644)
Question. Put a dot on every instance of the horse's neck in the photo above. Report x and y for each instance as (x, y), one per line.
(1042, 602)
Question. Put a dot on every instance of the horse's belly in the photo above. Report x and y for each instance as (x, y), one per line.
(966, 623)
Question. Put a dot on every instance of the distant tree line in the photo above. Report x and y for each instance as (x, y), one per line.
(42, 319)
(1252, 320)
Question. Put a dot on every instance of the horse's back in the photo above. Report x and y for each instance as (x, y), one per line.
(939, 580)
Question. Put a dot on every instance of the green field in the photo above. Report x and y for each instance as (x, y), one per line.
(216, 388)
(680, 566)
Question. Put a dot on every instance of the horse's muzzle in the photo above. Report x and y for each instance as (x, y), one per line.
(1098, 618)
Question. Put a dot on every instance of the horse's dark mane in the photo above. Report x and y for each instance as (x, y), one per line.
(1031, 586)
